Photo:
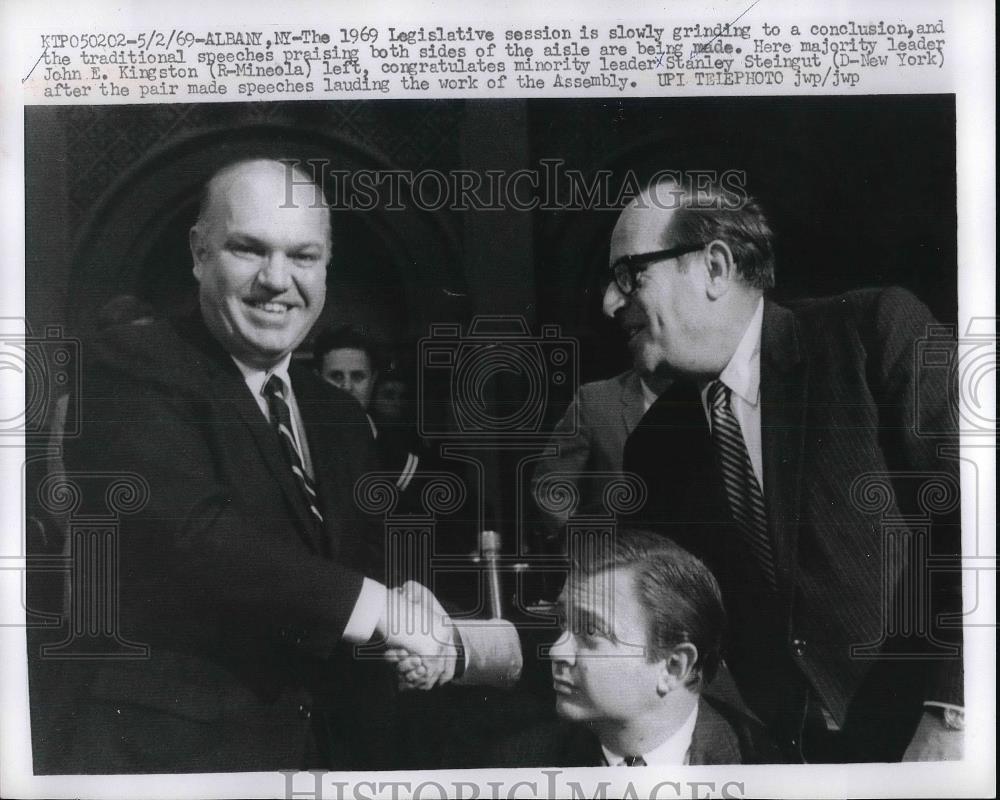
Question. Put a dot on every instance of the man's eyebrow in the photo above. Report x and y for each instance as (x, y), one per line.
(243, 238)
(596, 621)
(584, 618)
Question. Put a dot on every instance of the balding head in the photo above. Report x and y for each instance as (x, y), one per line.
(298, 187)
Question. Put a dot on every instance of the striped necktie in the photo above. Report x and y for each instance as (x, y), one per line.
(281, 419)
(746, 502)
(635, 761)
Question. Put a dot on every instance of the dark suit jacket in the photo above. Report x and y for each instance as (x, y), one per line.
(846, 412)
(605, 413)
(241, 599)
(721, 736)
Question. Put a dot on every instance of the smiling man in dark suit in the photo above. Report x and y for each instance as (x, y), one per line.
(250, 573)
(754, 458)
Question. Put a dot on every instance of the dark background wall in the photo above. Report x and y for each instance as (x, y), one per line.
(861, 191)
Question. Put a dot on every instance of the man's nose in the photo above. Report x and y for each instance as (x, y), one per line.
(274, 272)
(613, 299)
(564, 649)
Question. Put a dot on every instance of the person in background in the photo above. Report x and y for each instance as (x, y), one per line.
(348, 359)
(590, 438)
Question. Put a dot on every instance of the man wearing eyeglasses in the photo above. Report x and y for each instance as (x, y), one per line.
(758, 457)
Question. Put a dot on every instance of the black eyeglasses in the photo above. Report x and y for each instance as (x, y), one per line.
(626, 268)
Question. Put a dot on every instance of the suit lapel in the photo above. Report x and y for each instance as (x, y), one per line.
(230, 392)
(784, 372)
(244, 407)
(583, 748)
(713, 740)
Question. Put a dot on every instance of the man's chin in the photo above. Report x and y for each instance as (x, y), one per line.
(263, 352)
(570, 708)
(643, 357)
(271, 344)
(646, 367)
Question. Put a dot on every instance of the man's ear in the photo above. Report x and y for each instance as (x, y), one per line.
(677, 667)
(197, 250)
(721, 268)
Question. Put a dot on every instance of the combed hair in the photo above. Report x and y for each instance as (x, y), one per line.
(680, 594)
(711, 213)
(344, 337)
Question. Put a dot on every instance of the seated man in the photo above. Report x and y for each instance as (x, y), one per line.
(642, 625)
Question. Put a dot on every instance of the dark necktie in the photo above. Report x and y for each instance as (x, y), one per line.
(635, 761)
(746, 502)
(281, 419)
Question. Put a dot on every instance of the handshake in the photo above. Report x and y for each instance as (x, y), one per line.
(422, 641)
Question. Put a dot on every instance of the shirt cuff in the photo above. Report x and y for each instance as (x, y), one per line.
(492, 652)
(367, 612)
(939, 704)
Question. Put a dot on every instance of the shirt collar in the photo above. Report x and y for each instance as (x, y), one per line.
(648, 395)
(673, 751)
(742, 373)
(256, 378)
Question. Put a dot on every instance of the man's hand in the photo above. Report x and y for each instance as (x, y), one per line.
(933, 741)
(419, 634)
(411, 672)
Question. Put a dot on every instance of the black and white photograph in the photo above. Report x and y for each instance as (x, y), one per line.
(396, 443)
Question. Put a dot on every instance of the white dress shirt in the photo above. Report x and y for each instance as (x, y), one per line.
(648, 396)
(372, 599)
(675, 750)
(742, 376)
(255, 380)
